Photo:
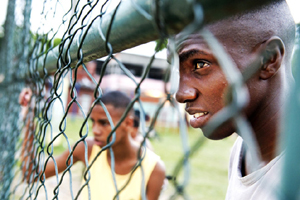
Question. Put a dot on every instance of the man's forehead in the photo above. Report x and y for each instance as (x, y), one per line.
(100, 111)
(183, 41)
(229, 32)
(215, 28)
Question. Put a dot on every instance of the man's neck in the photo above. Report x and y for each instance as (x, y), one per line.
(126, 150)
(266, 125)
(125, 157)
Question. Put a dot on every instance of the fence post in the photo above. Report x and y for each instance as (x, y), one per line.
(130, 28)
(291, 168)
(14, 52)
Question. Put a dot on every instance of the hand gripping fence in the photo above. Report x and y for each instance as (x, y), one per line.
(48, 62)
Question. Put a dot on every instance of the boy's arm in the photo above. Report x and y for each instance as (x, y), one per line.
(61, 160)
(156, 181)
(28, 154)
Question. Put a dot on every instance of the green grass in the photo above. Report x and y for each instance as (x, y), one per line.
(208, 175)
(208, 179)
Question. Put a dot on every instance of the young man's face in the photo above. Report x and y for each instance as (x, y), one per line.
(203, 84)
(101, 126)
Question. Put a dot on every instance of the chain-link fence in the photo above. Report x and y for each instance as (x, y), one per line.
(52, 56)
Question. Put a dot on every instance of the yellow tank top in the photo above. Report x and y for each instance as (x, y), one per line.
(101, 182)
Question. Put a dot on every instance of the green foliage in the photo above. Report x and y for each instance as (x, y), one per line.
(44, 42)
(161, 44)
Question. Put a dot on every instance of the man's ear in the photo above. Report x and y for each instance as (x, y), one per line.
(129, 121)
(272, 57)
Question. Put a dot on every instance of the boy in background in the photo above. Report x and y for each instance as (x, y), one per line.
(125, 151)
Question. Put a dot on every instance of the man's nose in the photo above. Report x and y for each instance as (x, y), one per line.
(96, 130)
(185, 93)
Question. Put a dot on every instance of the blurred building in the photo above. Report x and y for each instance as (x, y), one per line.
(152, 89)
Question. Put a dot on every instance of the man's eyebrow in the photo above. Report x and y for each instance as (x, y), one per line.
(102, 120)
(99, 120)
(187, 54)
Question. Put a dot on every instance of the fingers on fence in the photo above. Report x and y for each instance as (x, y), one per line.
(25, 96)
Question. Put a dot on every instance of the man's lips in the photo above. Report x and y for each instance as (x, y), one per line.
(99, 142)
(198, 117)
(200, 114)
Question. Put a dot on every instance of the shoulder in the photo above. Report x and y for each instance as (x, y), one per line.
(158, 164)
(159, 167)
(153, 163)
(156, 181)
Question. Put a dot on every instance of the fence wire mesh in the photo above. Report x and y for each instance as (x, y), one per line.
(49, 57)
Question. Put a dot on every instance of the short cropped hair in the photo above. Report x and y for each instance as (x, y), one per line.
(117, 99)
(247, 29)
(272, 19)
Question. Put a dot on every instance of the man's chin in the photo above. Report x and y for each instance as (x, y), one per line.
(219, 133)
(99, 143)
(213, 136)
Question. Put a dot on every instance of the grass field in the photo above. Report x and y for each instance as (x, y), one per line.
(208, 179)
(208, 175)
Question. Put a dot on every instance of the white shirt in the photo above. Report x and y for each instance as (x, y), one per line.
(259, 185)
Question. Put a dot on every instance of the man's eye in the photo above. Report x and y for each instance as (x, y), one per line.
(201, 64)
(104, 123)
